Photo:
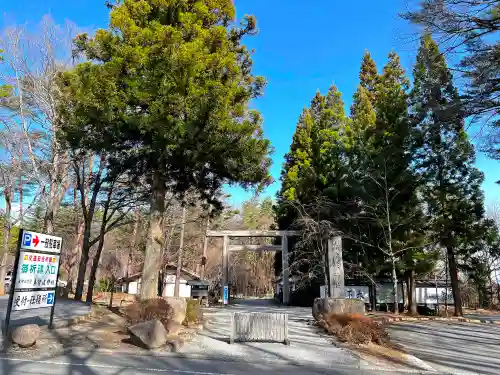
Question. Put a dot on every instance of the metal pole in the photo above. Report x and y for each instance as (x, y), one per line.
(13, 283)
(224, 266)
(52, 309)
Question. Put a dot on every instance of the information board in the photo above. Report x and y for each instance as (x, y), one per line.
(35, 274)
(36, 271)
(226, 294)
(41, 242)
(33, 299)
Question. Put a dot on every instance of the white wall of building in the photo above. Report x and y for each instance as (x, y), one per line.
(168, 291)
(133, 287)
(427, 295)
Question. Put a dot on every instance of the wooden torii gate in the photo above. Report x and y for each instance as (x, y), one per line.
(226, 248)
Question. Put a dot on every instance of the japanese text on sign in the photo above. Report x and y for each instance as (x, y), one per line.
(41, 242)
(36, 271)
(32, 300)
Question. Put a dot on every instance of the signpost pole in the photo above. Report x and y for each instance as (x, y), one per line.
(52, 309)
(13, 283)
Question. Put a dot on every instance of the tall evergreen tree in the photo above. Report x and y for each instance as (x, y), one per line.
(446, 159)
(388, 185)
(368, 75)
(298, 161)
(363, 114)
(166, 91)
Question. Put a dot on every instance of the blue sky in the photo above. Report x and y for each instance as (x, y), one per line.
(301, 47)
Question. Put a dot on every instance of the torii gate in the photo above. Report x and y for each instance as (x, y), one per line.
(226, 248)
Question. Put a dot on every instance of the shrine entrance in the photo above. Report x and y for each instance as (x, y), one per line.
(227, 248)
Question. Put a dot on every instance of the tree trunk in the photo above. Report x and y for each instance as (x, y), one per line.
(133, 248)
(95, 264)
(152, 259)
(179, 255)
(84, 259)
(6, 238)
(412, 293)
(205, 245)
(21, 197)
(395, 286)
(56, 192)
(112, 293)
(455, 287)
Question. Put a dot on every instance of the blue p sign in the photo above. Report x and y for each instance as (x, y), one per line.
(50, 299)
(27, 239)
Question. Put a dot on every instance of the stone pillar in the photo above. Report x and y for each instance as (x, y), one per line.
(225, 265)
(285, 271)
(335, 268)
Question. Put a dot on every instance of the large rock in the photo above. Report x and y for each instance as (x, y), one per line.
(25, 336)
(150, 334)
(179, 306)
(323, 306)
(173, 328)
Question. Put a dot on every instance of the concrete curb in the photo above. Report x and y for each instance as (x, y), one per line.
(395, 319)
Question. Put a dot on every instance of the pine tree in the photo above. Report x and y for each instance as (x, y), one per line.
(388, 185)
(166, 89)
(298, 160)
(329, 144)
(446, 159)
(368, 75)
(363, 114)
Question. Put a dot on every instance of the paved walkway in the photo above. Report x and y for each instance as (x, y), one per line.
(65, 309)
(452, 346)
(306, 346)
(91, 363)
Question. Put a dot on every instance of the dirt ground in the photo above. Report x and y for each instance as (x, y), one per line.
(105, 330)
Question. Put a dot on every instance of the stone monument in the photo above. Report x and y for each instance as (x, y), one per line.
(336, 301)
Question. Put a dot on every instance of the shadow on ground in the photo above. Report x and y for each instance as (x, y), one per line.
(451, 345)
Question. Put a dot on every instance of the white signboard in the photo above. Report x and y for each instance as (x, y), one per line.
(32, 300)
(36, 270)
(361, 292)
(41, 242)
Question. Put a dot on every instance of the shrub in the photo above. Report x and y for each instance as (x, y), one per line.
(425, 310)
(194, 313)
(151, 309)
(355, 329)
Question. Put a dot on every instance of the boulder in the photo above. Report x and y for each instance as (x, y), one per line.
(322, 306)
(25, 336)
(179, 306)
(173, 328)
(150, 334)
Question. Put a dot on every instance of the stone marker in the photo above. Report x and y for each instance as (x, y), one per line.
(323, 306)
(179, 306)
(150, 334)
(25, 336)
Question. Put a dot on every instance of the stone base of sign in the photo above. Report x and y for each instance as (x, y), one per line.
(322, 306)
(25, 336)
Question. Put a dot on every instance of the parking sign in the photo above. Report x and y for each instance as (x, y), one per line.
(27, 239)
